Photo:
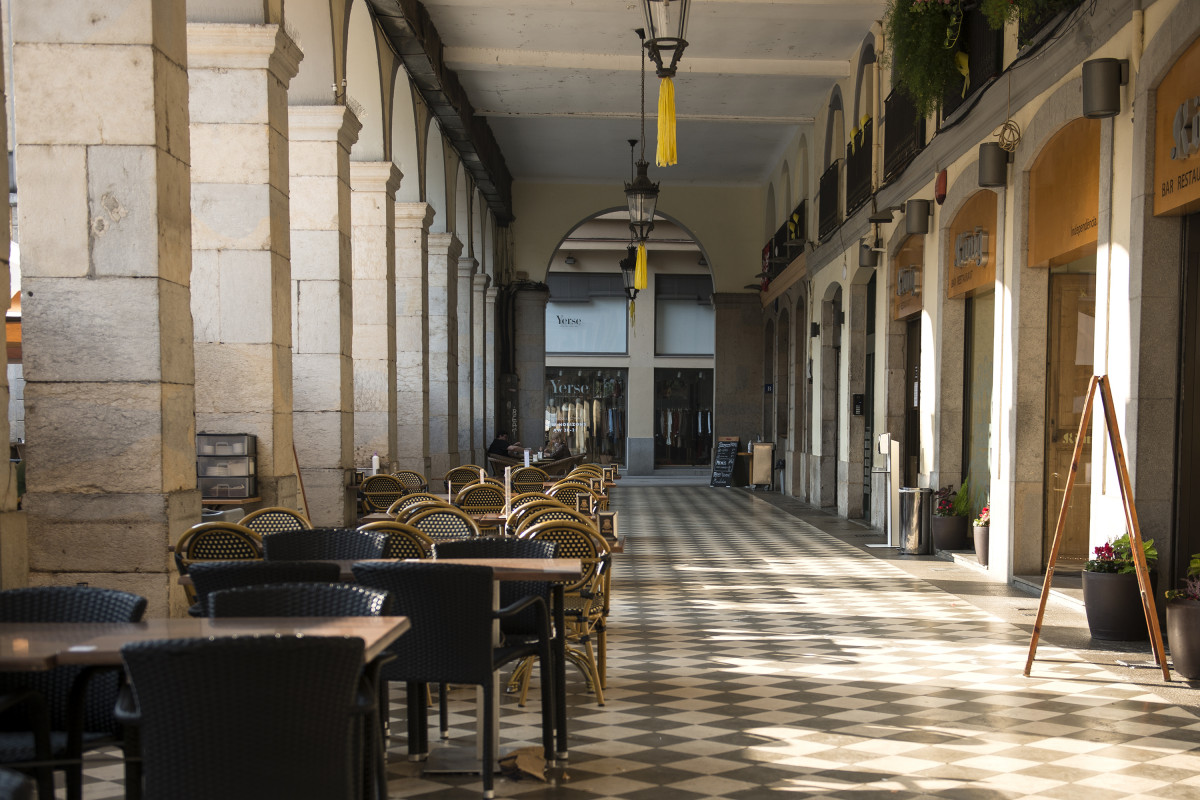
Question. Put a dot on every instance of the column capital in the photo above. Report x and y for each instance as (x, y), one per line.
(480, 281)
(221, 46)
(490, 294)
(447, 243)
(467, 266)
(375, 176)
(323, 124)
(414, 215)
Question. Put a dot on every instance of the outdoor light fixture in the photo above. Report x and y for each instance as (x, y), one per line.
(1102, 82)
(883, 215)
(993, 164)
(641, 194)
(667, 22)
(867, 257)
(916, 217)
(569, 260)
(628, 265)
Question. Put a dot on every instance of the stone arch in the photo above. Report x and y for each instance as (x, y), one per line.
(863, 89)
(323, 26)
(462, 208)
(363, 83)
(478, 215)
(406, 149)
(835, 128)
(435, 178)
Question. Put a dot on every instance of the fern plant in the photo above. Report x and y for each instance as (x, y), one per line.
(922, 43)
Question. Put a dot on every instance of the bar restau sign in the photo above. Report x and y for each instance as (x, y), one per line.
(973, 265)
(1177, 137)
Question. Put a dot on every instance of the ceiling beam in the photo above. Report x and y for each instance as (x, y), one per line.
(478, 59)
(795, 120)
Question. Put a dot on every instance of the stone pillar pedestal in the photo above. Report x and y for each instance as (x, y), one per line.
(530, 336)
(322, 371)
(239, 77)
(104, 220)
(491, 407)
(374, 216)
(412, 338)
(480, 365)
(468, 443)
(442, 377)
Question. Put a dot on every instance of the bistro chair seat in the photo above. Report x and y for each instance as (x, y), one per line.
(380, 491)
(324, 544)
(275, 519)
(403, 541)
(214, 576)
(413, 498)
(249, 717)
(440, 524)
(78, 701)
(413, 481)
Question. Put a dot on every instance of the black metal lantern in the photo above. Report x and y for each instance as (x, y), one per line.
(627, 272)
(641, 194)
(666, 20)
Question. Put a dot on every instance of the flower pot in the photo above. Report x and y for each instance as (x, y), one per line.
(1114, 606)
(982, 533)
(950, 533)
(1183, 635)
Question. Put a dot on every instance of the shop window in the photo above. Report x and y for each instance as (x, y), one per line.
(683, 417)
(684, 317)
(588, 407)
(586, 313)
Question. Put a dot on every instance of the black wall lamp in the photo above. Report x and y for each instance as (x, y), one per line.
(627, 265)
(993, 164)
(916, 217)
(1102, 82)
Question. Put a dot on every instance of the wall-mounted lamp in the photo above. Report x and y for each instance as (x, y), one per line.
(916, 217)
(703, 262)
(883, 215)
(569, 260)
(867, 256)
(1102, 82)
(993, 164)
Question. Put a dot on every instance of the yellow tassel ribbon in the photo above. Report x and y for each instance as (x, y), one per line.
(665, 156)
(639, 269)
(633, 312)
(963, 65)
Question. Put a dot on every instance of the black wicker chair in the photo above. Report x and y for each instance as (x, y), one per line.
(14, 786)
(300, 600)
(212, 576)
(243, 718)
(328, 544)
(450, 641)
(78, 700)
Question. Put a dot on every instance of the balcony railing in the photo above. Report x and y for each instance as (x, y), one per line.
(858, 169)
(797, 225)
(829, 201)
(985, 56)
(903, 134)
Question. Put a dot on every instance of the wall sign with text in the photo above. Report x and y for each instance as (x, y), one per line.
(973, 266)
(1177, 137)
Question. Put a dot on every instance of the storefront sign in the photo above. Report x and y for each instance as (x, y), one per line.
(1177, 137)
(598, 326)
(907, 266)
(973, 267)
(1064, 196)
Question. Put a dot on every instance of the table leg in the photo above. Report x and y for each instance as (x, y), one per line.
(560, 669)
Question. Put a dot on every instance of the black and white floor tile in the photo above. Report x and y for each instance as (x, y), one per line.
(753, 656)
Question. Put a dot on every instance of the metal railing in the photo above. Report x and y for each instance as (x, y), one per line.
(858, 169)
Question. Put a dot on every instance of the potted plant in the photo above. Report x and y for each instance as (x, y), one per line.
(950, 516)
(923, 43)
(1111, 596)
(982, 526)
(1183, 623)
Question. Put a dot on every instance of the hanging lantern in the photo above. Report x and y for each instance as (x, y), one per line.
(628, 265)
(667, 22)
(642, 195)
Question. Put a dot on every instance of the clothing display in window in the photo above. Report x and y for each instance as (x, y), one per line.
(588, 407)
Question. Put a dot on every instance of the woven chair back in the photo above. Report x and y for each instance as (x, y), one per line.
(566, 492)
(213, 576)
(215, 541)
(380, 491)
(575, 540)
(404, 541)
(459, 478)
(545, 514)
(274, 520)
(236, 695)
(441, 524)
(411, 498)
(529, 479)
(519, 514)
(480, 498)
(300, 600)
(331, 544)
(413, 481)
(406, 514)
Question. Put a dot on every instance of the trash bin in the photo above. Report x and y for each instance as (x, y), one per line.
(915, 508)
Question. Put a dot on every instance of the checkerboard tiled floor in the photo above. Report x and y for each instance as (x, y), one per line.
(752, 655)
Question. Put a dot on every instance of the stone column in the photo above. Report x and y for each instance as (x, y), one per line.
(239, 75)
(374, 215)
(530, 337)
(442, 376)
(101, 120)
(491, 406)
(480, 364)
(738, 379)
(14, 553)
(323, 370)
(412, 338)
(468, 444)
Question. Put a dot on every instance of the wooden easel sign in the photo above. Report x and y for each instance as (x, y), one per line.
(1113, 433)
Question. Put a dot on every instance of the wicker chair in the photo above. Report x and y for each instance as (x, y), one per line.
(546, 513)
(78, 700)
(413, 481)
(459, 478)
(274, 520)
(441, 524)
(529, 479)
(214, 576)
(249, 717)
(300, 600)
(413, 497)
(406, 514)
(567, 491)
(482, 498)
(380, 491)
(450, 641)
(518, 515)
(14, 786)
(404, 541)
(329, 544)
(584, 598)
(215, 541)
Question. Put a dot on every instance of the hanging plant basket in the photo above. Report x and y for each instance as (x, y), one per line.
(922, 42)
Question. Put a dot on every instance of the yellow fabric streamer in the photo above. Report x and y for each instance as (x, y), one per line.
(963, 65)
(639, 269)
(665, 156)
(633, 313)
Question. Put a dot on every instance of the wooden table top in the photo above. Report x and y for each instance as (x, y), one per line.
(44, 645)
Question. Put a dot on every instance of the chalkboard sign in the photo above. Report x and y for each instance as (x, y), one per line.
(722, 471)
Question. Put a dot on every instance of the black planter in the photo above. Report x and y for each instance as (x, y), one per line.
(1183, 634)
(1114, 606)
(982, 534)
(950, 533)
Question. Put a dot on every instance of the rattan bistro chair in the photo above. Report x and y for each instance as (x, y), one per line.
(528, 479)
(78, 700)
(403, 541)
(406, 514)
(440, 524)
(380, 491)
(519, 514)
(215, 541)
(413, 481)
(567, 492)
(450, 641)
(324, 544)
(274, 520)
(214, 576)
(249, 717)
(459, 478)
(539, 514)
(412, 498)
